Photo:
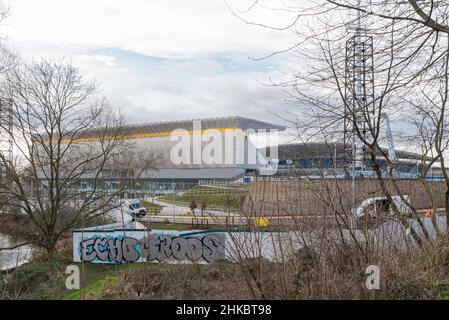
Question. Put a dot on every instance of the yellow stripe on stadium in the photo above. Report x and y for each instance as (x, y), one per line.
(145, 135)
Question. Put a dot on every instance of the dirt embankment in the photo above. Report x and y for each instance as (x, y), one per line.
(326, 197)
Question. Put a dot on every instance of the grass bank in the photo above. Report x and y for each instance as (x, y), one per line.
(209, 198)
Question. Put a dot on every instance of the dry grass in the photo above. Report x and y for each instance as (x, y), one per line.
(309, 275)
(412, 275)
(178, 281)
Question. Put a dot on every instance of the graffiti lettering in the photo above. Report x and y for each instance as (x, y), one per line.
(165, 248)
(98, 248)
(152, 249)
(149, 248)
(179, 248)
(211, 244)
(85, 252)
(130, 252)
(194, 249)
(115, 249)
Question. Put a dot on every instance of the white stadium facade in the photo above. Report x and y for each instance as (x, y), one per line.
(190, 151)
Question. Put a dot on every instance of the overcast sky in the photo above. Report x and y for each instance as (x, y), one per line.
(159, 59)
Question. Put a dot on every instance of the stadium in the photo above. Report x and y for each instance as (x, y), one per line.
(182, 152)
(322, 159)
(177, 144)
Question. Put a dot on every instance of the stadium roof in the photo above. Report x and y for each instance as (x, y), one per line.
(323, 150)
(208, 123)
(165, 128)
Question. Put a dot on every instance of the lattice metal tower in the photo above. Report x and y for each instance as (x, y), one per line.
(359, 91)
(6, 138)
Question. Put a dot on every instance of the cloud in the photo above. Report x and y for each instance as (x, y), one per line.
(86, 59)
(156, 28)
(185, 89)
(160, 60)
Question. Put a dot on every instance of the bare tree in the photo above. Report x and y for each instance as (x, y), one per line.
(7, 58)
(408, 75)
(63, 135)
(406, 79)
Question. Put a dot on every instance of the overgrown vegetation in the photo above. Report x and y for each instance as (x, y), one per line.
(40, 279)
(404, 275)
(181, 281)
(418, 275)
(43, 278)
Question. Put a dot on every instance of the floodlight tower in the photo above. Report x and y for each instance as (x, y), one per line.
(359, 89)
(359, 96)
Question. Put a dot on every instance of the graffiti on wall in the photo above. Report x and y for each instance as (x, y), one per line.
(152, 248)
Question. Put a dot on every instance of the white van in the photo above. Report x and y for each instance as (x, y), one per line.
(133, 207)
(376, 210)
(377, 206)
